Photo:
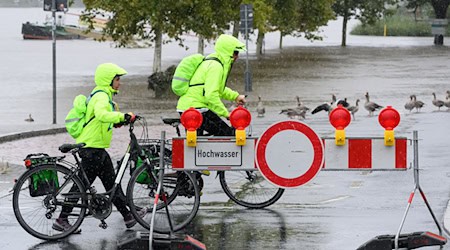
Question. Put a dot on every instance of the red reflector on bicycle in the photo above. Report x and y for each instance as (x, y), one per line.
(27, 163)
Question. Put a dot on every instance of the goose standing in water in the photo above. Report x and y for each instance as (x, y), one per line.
(417, 104)
(436, 102)
(294, 113)
(410, 105)
(354, 109)
(300, 105)
(29, 119)
(371, 106)
(260, 108)
(327, 106)
(344, 103)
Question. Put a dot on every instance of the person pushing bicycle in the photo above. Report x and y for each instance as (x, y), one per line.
(208, 87)
(102, 115)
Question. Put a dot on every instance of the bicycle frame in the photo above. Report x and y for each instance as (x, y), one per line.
(76, 168)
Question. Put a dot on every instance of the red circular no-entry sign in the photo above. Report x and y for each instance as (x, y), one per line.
(289, 154)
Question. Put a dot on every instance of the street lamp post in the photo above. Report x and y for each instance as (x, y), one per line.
(54, 58)
(246, 24)
(54, 6)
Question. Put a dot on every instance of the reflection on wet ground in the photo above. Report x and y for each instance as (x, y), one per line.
(241, 229)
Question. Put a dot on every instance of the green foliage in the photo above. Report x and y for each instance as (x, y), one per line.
(301, 17)
(396, 26)
(367, 11)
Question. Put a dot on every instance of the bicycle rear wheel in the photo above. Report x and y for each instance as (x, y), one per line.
(37, 204)
(249, 188)
(182, 194)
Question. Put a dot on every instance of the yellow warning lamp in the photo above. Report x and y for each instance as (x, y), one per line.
(192, 120)
(240, 118)
(339, 119)
(389, 118)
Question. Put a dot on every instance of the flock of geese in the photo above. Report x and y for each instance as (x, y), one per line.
(300, 110)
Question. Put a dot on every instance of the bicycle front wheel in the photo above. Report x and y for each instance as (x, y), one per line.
(39, 195)
(249, 188)
(182, 196)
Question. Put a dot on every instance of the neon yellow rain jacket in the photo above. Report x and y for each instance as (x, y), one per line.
(214, 77)
(98, 132)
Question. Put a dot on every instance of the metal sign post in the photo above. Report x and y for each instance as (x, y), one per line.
(54, 6)
(245, 26)
(54, 58)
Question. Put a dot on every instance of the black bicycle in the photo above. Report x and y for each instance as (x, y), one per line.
(245, 188)
(42, 191)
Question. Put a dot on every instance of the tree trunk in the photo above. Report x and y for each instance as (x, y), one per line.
(259, 43)
(440, 9)
(344, 30)
(201, 45)
(281, 41)
(158, 49)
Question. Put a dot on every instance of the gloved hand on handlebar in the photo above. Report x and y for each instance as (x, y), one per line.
(129, 117)
(240, 99)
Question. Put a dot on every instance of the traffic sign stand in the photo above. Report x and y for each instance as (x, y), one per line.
(413, 240)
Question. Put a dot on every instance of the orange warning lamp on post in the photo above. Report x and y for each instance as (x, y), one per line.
(240, 118)
(339, 119)
(389, 118)
(192, 120)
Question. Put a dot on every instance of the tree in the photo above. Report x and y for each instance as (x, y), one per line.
(440, 9)
(367, 11)
(301, 17)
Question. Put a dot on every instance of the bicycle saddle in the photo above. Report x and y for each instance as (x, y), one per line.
(67, 147)
(171, 121)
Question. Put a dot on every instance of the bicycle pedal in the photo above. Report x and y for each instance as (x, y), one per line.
(103, 225)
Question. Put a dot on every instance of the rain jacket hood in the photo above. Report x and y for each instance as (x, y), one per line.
(226, 45)
(105, 73)
(208, 84)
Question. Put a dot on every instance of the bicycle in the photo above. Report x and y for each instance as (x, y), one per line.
(44, 188)
(245, 188)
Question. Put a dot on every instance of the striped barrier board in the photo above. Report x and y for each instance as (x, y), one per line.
(358, 153)
(368, 153)
(213, 153)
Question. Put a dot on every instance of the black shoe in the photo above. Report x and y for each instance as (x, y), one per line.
(62, 225)
(129, 219)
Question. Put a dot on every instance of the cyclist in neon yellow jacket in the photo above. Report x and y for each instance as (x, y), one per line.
(210, 87)
(97, 135)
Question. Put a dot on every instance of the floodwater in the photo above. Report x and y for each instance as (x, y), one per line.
(388, 67)
(329, 213)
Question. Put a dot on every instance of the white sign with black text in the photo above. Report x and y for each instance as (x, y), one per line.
(213, 153)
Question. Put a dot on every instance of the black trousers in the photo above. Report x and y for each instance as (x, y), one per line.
(97, 162)
(214, 125)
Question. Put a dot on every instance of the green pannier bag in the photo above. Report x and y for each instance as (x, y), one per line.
(184, 72)
(45, 181)
(144, 177)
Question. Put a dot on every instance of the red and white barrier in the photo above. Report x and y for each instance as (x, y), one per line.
(365, 153)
